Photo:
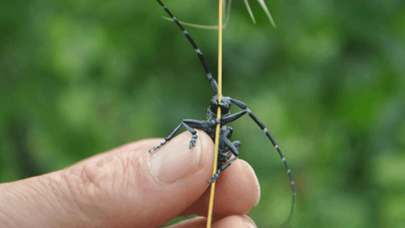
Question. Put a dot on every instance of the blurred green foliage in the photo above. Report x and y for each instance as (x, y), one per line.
(81, 77)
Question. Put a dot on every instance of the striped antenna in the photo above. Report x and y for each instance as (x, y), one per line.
(213, 83)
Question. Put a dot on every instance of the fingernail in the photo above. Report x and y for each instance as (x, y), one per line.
(175, 160)
(248, 222)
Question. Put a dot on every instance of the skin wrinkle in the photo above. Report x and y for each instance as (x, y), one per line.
(106, 169)
(47, 181)
(32, 192)
(127, 148)
(68, 179)
(125, 173)
(66, 203)
(96, 176)
(56, 191)
(90, 187)
(79, 211)
(87, 181)
(36, 191)
(121, 175)
(82, 196)
(133, 164)
(119, 171)
(135, 167)
(122, 167)
(6, 217)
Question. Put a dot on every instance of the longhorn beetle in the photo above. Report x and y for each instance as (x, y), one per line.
(226, 147)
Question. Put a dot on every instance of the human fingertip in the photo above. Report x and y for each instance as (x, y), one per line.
(235, 221)
(248, 222)
(256, 186)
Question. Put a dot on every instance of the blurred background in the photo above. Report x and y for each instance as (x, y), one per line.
(81, 77)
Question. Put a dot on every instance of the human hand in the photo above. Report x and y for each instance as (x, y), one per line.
(129, 187)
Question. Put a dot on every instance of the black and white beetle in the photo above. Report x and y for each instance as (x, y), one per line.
(226, 147)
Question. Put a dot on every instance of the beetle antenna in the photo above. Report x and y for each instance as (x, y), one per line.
(213, 83)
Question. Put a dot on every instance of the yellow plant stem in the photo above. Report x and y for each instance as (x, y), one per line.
(214, 168)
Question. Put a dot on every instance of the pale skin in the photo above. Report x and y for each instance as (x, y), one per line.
(129, 187)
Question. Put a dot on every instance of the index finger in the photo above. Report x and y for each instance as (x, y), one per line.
(237, 192)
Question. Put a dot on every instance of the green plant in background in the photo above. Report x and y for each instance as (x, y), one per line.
(329, 82)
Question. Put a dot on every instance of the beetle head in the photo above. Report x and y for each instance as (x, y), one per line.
(225, 104)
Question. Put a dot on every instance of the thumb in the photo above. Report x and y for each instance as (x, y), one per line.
(128, 186)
